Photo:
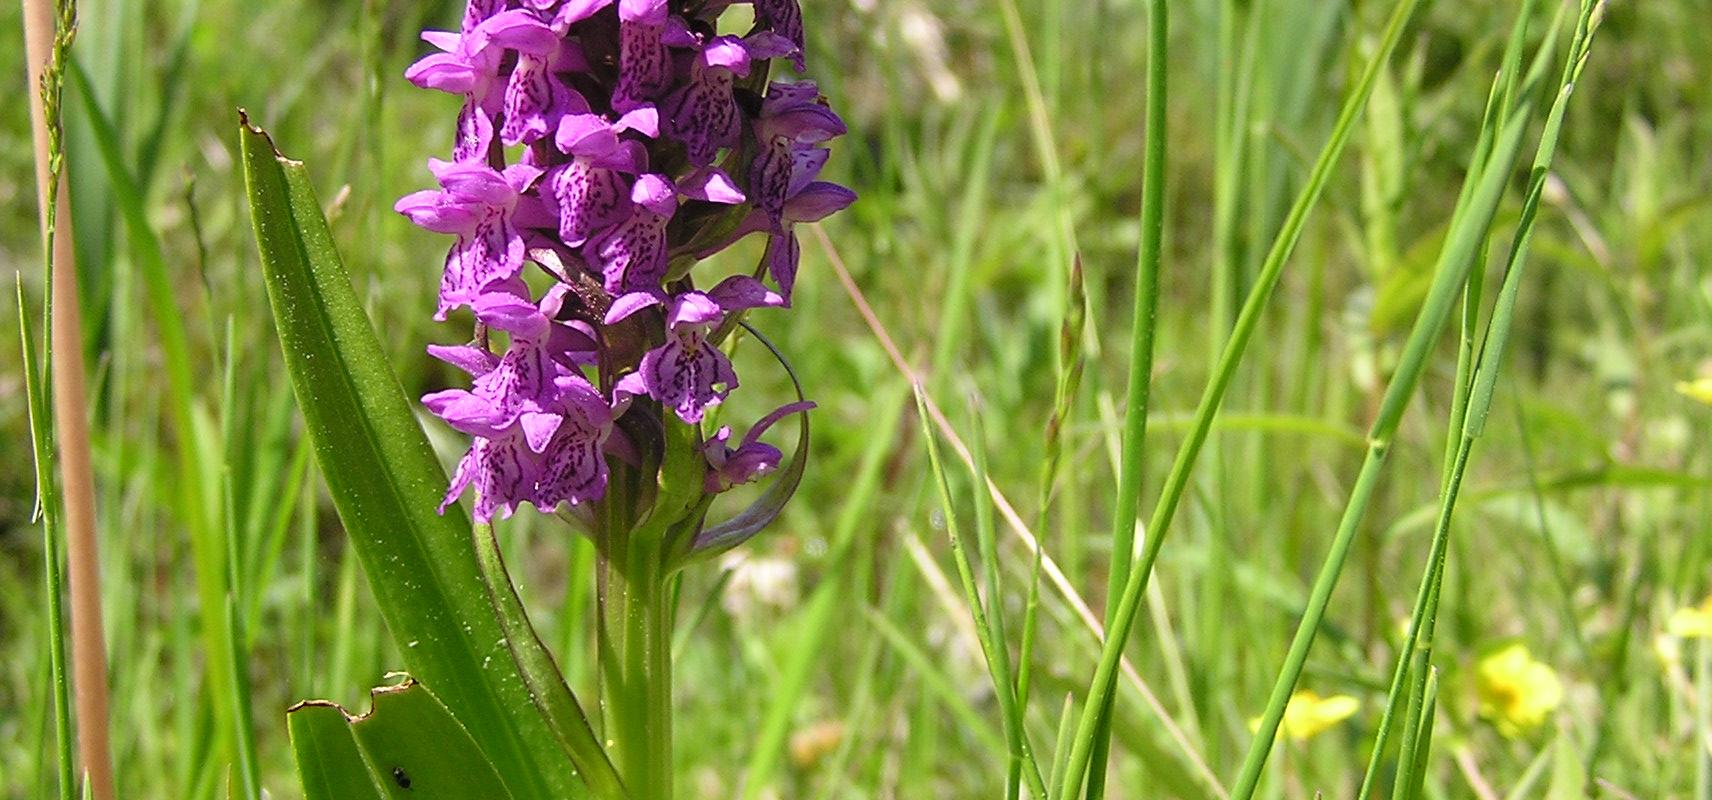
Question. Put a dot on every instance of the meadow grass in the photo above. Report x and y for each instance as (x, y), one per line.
(926, 618)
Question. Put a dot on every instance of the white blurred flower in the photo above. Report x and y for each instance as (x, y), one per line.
(758, 583)
(924, 34)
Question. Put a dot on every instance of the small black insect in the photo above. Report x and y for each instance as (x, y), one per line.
(399, 777)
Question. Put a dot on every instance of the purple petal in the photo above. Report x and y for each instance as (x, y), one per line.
(743, 465)
(462, 476)
(763, 45)
(446, 72)
(783, 255)
(505, 476)
(693, 308)
(446, 41)
(704, 115)
(588, 199)
(644, 64)
(475, 183)
(806, 163)
(518, 30)
(783, 17)
(572, 469)
(478, 11)
(533, 100)
(729, 52)
(646, 12)
(508, 312)
(538, 428)
(643, 119)
(475, 134)
(711, 184)
(687, 375)
(631, 256)
(797, 111)
(469, 358)
(770, 178)
(740, 292)
(754, 434)
(655, 193)
(585, 135)
(465, 411)
(817, 201)
(575, 397)
(521, 176)
(629, 303)
(429, 210)
(575, 11)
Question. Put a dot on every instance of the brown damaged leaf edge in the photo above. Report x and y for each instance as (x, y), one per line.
(244, 122)
(406, 685)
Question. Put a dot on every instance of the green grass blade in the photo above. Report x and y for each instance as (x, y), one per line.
(1144, 319)
(47, 508)
(1105, 676)
(1414, 782)
(386, 482)
(1467, 234)
(985, 625)
(1023, 760)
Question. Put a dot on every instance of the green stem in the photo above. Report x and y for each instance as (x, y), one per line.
(635, 640)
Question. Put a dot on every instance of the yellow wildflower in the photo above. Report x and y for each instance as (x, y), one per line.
(1308, 714)
(1516, 692)
(1697, 389)
(1693, 622)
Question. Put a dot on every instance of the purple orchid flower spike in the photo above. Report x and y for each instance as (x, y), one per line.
(585, 128)
(751, 458)
(475, 203)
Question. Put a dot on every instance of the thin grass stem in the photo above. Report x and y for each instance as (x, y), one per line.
(1100, 688)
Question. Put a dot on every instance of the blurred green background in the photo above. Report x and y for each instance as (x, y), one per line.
(991, 141)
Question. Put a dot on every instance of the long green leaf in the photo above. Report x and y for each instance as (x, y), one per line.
(406, 747)
(546, 683)
(386, 482)
(329, 764)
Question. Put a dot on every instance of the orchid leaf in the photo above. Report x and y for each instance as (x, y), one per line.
(329, 764)
(406, 746)
(386, 483)
(546, 683)
(716, 539)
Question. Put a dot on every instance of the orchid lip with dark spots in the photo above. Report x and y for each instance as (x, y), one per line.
(617, 139)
